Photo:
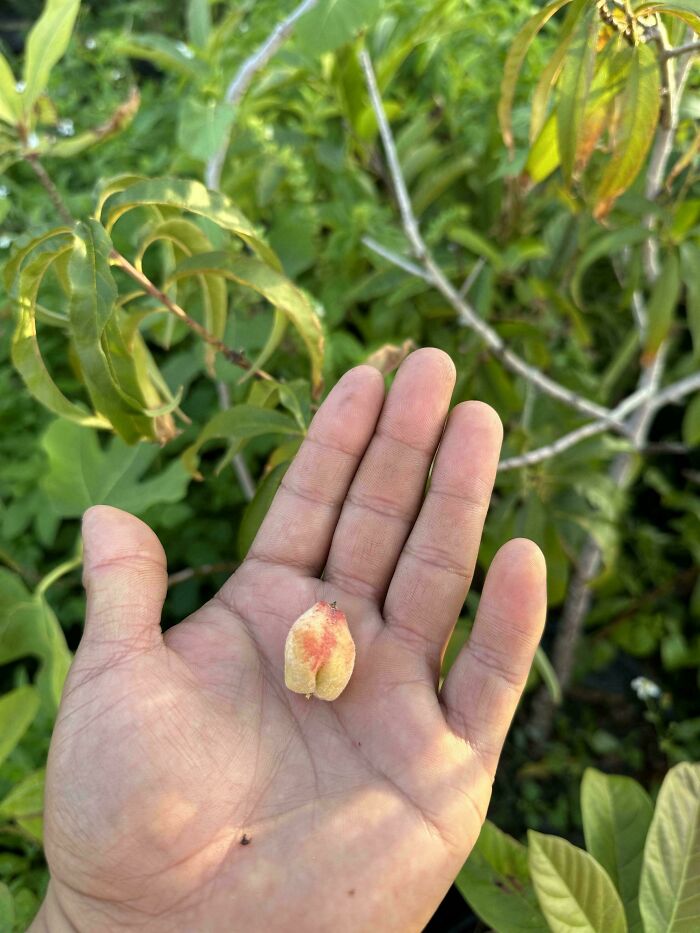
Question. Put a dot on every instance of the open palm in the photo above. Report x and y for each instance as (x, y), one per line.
(188, 789)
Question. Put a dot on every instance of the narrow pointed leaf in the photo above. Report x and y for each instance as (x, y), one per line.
(640, 113)
(9, 98)
(46, 44)
(662, 304)
(514, 62)
(574, 86)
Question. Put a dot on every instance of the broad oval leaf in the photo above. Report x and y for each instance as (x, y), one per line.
(495, 881)
(616, 813)
(669, 893)
(332, 23)
(640, 104)
(274, 287)
(514, 62)
(186, 195)
(46, 44)
(574, 891)
(17, 711)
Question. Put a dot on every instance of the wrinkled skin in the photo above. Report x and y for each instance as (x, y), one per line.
(189, 790)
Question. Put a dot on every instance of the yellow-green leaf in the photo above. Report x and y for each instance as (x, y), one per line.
(574, 891)
(543, 158)
(17, 711)
(574, 86)
(514, 62)
(46, 44)
(640, 113)
(669, 893)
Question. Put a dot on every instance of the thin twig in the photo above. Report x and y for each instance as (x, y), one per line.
(32, 159)
(690, 49)
(180, 576)
(434, 274)
(243, 78)
(233, 356)
(470, 280)
(238, 463)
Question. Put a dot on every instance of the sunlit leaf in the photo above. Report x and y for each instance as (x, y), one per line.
(543, 158)
(688, 12)
(331, 23)
(574, 86)
(669, 895)
(198, 22)
(616, 813)
(171, 56)
(640, 104)
(573, 890)
(25, 804)
(514, 62)
(9, 98)
(46, 44)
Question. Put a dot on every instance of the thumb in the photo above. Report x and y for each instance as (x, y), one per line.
(125, 578)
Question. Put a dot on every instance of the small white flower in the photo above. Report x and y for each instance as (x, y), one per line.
(116, 75)
(65, 128)
(184, 49)
(20, 87)
(646, 689)
(32, 141)
(5, 240)
(4, 191)
(91, 43)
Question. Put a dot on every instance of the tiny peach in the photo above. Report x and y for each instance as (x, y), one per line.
(319, 654)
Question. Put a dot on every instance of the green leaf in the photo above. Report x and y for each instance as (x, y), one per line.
(28, 626)
(616, 813)
(607, 245)
(46, 44)
(7, 908)
(669, 894)
(241, 422)
(640, 105)
(274, 287)
(24, 274)
(25, 804)
(198, 22)
(186, 195)
(691, 423)
(574, 87)
(166, 54)
(543, 666)
(9, 98)
(573, 890)
(17, 711)
(256, 510)
(91, 309)
(81, 473)
(332, 23)
(514, 62)
(495, 881)
(203, 126)
(662, 304)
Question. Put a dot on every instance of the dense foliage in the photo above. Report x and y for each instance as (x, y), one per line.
(531, 188)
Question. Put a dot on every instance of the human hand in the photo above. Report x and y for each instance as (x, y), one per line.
(189, 790)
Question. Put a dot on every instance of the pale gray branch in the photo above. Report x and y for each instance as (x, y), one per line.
(431, 271)
(690, 49)
(242, 80)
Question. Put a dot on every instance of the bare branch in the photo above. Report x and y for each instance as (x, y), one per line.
(690, 49)
(468, 283)
(433, 273)
(238, 87)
